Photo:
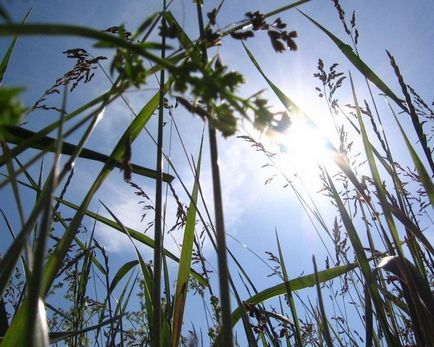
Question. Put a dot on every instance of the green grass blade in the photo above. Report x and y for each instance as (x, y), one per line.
(369, 329)
(183, 38)
(17, 135)
(375, 174)
(358, 63)
(185, 258)
(121, 273)
(295, 284)
(8, 262)
(14, 336)
(85, 32)
(156, 333)
(287, 102)
(5, 61)
(7, 57)
(122, 304)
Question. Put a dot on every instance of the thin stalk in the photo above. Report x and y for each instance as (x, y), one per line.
(158, 235)
(219, 220)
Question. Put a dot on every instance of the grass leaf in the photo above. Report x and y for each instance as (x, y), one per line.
(7, 57)
(185, 258)
(295, 284)
(17, 135)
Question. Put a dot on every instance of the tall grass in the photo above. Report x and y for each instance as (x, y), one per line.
(60, 285)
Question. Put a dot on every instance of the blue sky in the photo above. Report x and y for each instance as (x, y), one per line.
(253, 210)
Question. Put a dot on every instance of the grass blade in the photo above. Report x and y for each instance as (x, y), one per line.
(85, 32)
(295, 284)
(26, 143)
(121, 273)
(17, 135)
(376, 175)
(185, 259)
(7, 57)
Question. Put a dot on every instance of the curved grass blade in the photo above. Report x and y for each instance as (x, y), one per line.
(122, 304)
(295, 284)
(85, 32)
(122, 272)
(17, 135)
(185, 258)
(359, 63)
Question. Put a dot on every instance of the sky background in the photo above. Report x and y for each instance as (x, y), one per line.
(253, 210)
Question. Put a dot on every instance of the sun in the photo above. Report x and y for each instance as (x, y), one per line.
(302, 149)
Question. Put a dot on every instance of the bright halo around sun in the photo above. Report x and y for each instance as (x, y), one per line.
(303, 147)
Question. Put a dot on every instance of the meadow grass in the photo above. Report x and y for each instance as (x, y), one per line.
(58, 284)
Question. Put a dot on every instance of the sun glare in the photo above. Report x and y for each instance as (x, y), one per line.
(302, 148)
